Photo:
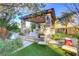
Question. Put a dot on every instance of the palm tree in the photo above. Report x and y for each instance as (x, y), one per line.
(65, 19)
(5, 27)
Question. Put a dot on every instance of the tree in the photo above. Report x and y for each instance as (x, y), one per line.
(73, 8)
(65, 19)
(5, 27)
(10, 10)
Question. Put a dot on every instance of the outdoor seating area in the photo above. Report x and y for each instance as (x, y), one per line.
(35, 30)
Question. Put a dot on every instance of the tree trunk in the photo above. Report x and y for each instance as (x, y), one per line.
(3, 33)
(78, 48)
(66, 29)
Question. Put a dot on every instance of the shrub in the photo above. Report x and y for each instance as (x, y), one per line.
(9, 46)
(21, 33)
(55, 37)
(18, 42)
(76, 35)
(1, 43)
(58, 36)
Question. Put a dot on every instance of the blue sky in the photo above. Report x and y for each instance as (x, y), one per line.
(57, 7)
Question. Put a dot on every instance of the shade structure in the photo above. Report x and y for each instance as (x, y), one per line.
(39, 17)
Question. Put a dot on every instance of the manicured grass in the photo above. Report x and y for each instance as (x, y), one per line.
(40, 50)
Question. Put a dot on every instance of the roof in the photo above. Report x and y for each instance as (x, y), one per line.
(38, 17)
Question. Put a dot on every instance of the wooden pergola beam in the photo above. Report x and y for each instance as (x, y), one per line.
(39, 17)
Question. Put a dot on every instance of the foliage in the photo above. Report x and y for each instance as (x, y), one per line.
(18, 42)
(59, 36)
(66, 18)
(3, 22)
(76, 35)
(11, 10)
(8, 26)
(21, 33)
(55, 37)
(1, 43)
(9, 45)
(13, 27)
(33, 26)
(73, 8)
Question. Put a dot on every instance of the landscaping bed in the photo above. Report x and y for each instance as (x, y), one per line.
(8, 46)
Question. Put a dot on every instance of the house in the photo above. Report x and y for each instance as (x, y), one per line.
(71, 28)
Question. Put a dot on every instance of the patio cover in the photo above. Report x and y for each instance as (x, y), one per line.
(39, 17)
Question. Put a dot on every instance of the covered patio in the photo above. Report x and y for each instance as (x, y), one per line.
(44, 21)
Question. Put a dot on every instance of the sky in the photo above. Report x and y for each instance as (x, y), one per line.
(59, 8)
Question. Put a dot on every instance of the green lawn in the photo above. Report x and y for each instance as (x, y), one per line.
(40, 50)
